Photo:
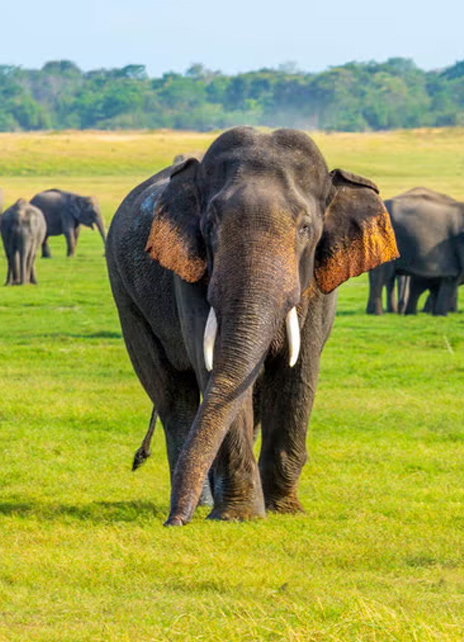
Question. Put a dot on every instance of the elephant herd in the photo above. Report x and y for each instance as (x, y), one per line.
(224, 269)
(429, 229)
(27, 225)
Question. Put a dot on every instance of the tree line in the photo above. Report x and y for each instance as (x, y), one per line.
(352, 97)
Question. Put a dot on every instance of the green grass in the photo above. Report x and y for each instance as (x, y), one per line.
(83, 553)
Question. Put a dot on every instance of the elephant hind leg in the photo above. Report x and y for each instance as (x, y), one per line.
(374, 303)
(444, 297)
(392, 305)
(403, 285)
(29, 269)
(24, 265)
(46, 254)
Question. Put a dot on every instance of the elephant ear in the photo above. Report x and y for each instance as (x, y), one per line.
(74, 206)
(357, 234)
(175, 239)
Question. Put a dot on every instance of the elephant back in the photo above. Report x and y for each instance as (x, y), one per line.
(426, 226)
(53, 203)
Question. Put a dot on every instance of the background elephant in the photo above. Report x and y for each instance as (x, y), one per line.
(396, 285)
(429, 229)
(234, 290)
(23, 229)
(64, 213)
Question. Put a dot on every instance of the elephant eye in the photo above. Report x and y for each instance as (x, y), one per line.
(304, 230)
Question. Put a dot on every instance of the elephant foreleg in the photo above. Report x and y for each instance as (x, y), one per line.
(454, 300)
(70, 237)
(445, 295)
(287, 400)
(175, 395)
(177, 412)
(416, 288)
(374, 303)
(392, 305)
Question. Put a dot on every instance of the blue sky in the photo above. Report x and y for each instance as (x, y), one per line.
(237, 36)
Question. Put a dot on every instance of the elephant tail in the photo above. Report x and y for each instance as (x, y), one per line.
(145, 449)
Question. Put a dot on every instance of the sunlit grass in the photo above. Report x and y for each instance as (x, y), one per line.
(83, 553)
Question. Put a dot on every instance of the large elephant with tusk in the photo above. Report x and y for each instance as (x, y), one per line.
(223, 272)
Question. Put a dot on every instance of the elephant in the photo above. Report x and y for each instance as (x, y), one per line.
(64, 213)
(23, 230)
(224, 273)
(429, 229)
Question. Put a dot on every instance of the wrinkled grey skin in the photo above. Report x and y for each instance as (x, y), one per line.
(429, 229)
(64, 213)
(23, 228)
(259, 213)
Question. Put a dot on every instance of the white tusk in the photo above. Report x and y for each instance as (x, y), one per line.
(209, 339)
(293, 334)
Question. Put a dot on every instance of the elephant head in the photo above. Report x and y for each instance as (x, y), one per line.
(86, 211)
(261, 219)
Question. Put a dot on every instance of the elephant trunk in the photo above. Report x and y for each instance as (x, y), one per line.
(243, 332)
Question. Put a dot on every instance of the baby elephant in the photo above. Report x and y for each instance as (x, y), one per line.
(23, 230)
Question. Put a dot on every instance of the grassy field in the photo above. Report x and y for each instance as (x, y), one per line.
(379, 554)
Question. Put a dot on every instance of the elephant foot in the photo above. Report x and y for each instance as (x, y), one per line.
(175, 521)
(140, 457)
(236, 514)
(285, 505)
(236, 501)
(376, 311)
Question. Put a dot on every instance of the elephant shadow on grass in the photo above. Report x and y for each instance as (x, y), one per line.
(102, 334)
(94, 512)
